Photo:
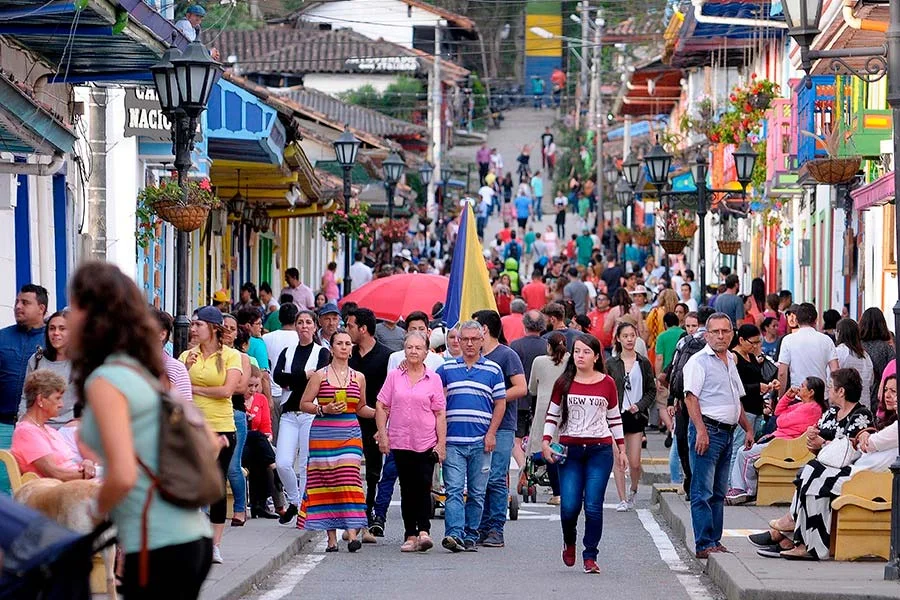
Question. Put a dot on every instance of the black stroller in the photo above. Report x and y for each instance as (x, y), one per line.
(43, 560)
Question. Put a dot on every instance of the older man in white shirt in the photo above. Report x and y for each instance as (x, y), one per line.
(360, 273)
(713, 390)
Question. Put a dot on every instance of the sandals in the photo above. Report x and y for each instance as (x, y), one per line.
(783, 525)
(331, 548)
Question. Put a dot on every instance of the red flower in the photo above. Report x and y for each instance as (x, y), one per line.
(205, 186)
(753, 76)
(747, 107)
(733, 98)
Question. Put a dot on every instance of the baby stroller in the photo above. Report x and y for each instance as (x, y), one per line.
(42, 559)
(534, 475)
(439, 497)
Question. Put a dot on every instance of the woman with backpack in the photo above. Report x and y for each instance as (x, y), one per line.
(636, 386)
(115, 362)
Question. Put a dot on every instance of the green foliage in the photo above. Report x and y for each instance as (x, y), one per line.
(234, 17)
(365, 96)
(399, 100)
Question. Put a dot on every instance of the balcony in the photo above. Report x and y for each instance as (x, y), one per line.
(868, 126)
(781, 149)
(812, 110)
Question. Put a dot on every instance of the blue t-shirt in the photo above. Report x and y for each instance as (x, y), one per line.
(510, 364)
(257, 349)
(523, 206)
(16, 346)
(731, 305)
(537, 186)
(770, 349)
(471, 393)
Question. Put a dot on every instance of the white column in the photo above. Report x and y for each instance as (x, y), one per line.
(122, 184)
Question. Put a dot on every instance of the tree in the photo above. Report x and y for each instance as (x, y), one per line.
(400, 99)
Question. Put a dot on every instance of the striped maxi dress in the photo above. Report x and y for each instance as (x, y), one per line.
(334, 492)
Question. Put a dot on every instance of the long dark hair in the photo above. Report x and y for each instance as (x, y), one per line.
(817, 387)
(622, 326)
(885, 417)
(557, 347)
(873, 326)
(117, 320)
(848, 334)
(564, 383)
(48, 351)
(622, 298)
(758, 291)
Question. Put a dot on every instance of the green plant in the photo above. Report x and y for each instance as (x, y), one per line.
(401, 99)
(200, 193)
(835, 142)
(147, 222)
(355, 223)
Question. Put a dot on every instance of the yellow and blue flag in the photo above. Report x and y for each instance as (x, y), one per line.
(470, 286)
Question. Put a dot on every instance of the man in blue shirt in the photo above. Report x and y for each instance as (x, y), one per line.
(476, 403)
(496, 495)
(523, 210)
(17, 343)
(729, 302)
(537, 190)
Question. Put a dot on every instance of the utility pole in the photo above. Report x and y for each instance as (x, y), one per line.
(436, 125)
(582, 90)
(598, 121)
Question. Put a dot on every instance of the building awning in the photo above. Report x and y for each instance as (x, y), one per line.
(90, 40)
(881, 191)
(259, 182)
(242, 127)
(26, 127)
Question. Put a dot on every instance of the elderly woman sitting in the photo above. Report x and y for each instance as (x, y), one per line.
(805, 533)
(38, 447)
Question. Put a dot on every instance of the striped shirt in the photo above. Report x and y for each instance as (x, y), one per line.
(593, 414)
(471, 394)
(178, 377)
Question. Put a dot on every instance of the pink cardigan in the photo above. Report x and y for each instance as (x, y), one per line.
(795, 419)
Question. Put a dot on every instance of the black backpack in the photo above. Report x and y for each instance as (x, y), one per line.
(692, 346)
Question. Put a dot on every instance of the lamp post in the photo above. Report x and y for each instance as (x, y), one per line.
(658, 162)
(802, 17)
(446, 174)
(611, 175)
(345, 148)
(393, 170)
(625, 198)
(698, 171)
(183, 84)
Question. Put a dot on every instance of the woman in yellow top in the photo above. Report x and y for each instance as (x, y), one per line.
(215, 371)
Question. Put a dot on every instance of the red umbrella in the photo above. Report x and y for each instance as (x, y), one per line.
(393, 298)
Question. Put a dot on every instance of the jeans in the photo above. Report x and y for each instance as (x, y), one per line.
(6, 433)
(740, 436)
(374, 460)
(235, 475)
(385, 486)
(480, 224)
(496, 497)
(537, 208)
(293, 444)
(495, 204)
(466, 470)
(415, 470)
(681, 439)
(218, 509)
(709, 484)
(583, 478)
(676, 473)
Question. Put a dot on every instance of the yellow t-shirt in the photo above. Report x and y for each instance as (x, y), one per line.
(205, 372)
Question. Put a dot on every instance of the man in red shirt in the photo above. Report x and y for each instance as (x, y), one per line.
(535, 293)
(597, 316)
(505, 233)
(513, 328)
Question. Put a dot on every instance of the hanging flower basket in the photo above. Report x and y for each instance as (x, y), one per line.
(760, 101)
(834, 171)
(643, 237)
(354, 223)
(673, 246)
(168, 202)
(624, 234)
(687, 230)
(729, 247)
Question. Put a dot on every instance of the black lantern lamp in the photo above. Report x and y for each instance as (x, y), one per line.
(425, 172)
(699, 170)
(237, 202)
(802, 17)
(446, 174)
(610, 172)
(631, 169)
(744, 162)
(658, 162)
(195, 73)
(624, 193)
(392, 168)
(345, 148)
(165, 81)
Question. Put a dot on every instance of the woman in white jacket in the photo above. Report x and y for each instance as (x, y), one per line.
(545, 370)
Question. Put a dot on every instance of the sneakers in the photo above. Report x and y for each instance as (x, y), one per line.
(629, 499)
(289, 515)
(377, 528)
(553, 501)
(622, 506)
(568, 555)
(736, 497)
(494, 539)
(590, 566)
(217, 556)
(469, 546)
(453, 544)
(762, 540)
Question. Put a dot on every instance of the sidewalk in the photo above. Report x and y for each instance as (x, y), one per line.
(744, 575)
(251, 553)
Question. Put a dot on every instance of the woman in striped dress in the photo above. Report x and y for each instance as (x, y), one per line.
(335, 498)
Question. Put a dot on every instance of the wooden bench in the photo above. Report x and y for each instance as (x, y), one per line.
(777, 467)
(861, 517)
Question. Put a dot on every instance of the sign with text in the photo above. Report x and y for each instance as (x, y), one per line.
(144, 117)
(383, 64)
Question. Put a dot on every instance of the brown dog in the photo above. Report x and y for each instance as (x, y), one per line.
(69, 504)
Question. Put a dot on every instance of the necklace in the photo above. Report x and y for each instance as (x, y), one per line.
(346, 378)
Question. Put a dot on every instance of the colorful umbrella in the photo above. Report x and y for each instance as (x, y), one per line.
(393, 298)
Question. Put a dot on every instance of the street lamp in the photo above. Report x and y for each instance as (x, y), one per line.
(425, 172)
(803, 17)
(658, 162)
(699, 170)
(446, 174)
(183, 84)
(744, 162)
(345, 148)
(625, 198)
(393, 170)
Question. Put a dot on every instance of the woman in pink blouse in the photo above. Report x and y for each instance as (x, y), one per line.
(329, 283)
(412, 425)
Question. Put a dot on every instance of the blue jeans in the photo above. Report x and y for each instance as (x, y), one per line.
(236, 478)
(466, 471)
(537, 207)
(709, 484)
(676, 474)
(385, 487)
(740, 436)
(6, 433)
(583, 478)
(496, 497)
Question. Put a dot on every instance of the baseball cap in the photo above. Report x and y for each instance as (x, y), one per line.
(640, 290)
(210, 314)
(329, 308)
(221, 296)
(791, 309)
(196, 9)
(438, 337)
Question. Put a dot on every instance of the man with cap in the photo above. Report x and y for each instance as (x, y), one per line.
(190, 26)
(329, 321)
(222, 301)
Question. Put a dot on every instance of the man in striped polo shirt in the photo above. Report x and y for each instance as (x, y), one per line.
(476, 402)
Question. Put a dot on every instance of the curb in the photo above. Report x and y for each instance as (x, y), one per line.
(241, 584)
(737, 582)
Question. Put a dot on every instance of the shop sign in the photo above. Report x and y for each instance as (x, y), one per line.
(383, 64)
(143, 115)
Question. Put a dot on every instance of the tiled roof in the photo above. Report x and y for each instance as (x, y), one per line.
(308, 49)
(453, 18)
(358, 117)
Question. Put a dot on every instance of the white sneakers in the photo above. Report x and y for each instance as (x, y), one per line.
(217, 556)
(622, 506)
(630, 498)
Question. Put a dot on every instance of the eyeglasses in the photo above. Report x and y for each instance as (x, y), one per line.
(754, 342)
(469, 340)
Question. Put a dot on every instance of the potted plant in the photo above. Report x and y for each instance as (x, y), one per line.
(761, 92)
(354, 222)
(624, 234)
(674, 241)
(686, 225)
(728, 243)
(644, 236)
(168, 201)
(833, 169)
(394, 231)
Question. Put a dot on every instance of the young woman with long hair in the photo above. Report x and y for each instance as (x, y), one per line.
(636, 389)
(876, 339)
(758, 300)
(584, 409)
(215, 371)
(545, 370)
(54, 356)
(852, 354)
(114, 347)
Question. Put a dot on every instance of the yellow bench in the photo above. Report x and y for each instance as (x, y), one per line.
(777, 467)
(861, 517)
(16, 478)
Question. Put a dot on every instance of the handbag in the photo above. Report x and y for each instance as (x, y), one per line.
(838, 453)
(768, 370)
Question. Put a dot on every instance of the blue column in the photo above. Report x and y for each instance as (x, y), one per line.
(60, 241)
(23, 231)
